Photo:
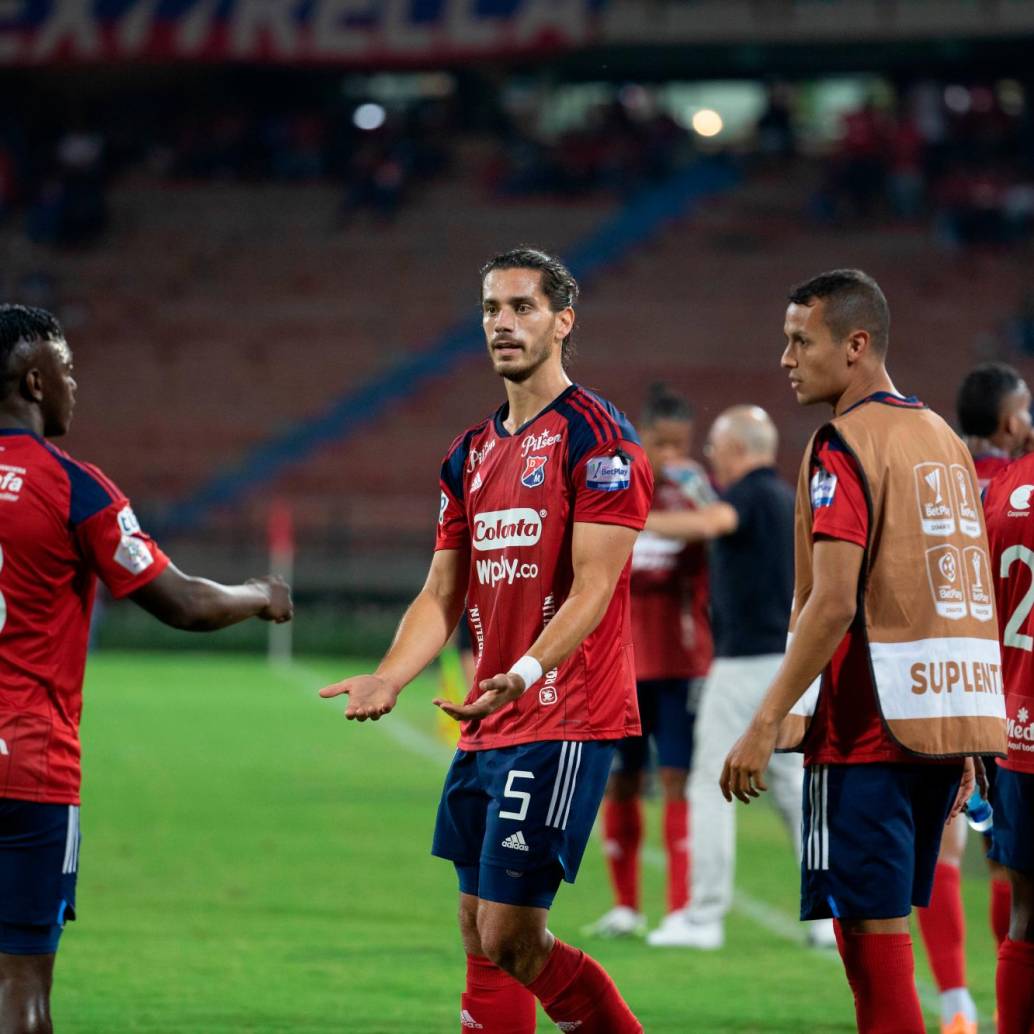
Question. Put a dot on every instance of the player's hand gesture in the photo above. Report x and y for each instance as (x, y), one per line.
(279, 608)
(743, 775)
(496, 692)
(369, 696)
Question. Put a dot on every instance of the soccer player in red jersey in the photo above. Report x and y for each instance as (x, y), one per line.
(540, 506)
(993, 408)
(993, 411)
(671, 629)
(63, 525)
(1010, 529)
(886, 489)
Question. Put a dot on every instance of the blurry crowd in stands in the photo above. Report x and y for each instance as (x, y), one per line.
(56, 179)
(619, 147)
(960, 156)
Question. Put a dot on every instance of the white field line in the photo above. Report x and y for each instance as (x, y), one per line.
(769, 918)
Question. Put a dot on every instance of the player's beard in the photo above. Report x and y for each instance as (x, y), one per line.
(536, 355)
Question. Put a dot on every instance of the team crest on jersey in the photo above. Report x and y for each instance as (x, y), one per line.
(534, 471)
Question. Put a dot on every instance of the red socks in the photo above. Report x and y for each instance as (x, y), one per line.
(1014, 985)
(676, 841)
(944, 928)
(1001, 907)
(576, 992)
(881, 972)
(494, 1002)
(622, 835)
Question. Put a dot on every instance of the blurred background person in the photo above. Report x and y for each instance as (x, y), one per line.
(751, 529)
(672, 635)
(993, 411)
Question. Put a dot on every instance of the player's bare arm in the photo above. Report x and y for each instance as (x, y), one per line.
(599, 553)
(200, 605)
(424, 630)
(710, 522)
(822, 625)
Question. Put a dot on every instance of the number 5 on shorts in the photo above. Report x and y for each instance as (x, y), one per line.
(520, 795)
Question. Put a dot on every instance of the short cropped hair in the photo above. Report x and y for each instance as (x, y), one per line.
(558, 285)
(981, 395)
(663, 403)
(20, 323)
(853, 300)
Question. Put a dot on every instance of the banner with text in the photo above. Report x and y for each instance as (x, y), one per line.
(346, 32)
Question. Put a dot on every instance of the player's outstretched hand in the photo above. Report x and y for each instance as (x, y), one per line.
(279, 608)
(743, 775)
(966, 788)
(369, 696)
(496, 692)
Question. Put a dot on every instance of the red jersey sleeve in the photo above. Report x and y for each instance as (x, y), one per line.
(613, 484)
(838, 506)
(123, 556)
(453, 531)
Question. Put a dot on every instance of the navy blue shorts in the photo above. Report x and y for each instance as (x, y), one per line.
(1012, 835)
(39, 863)
(515, 821)
(871, 837)
(664, 711)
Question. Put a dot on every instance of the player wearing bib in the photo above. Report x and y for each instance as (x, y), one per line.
(1010, 528)
(885, 489)
(63, 525)
(993, 411)
(671, 630)
(540, 506)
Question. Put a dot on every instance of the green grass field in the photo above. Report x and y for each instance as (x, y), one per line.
(252, 862)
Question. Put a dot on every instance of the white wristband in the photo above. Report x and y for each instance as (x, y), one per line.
(528, 668)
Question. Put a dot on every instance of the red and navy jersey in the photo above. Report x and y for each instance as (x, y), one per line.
(989, 465)
(671, 625)
(62, 524)
(1009, 510)
(512, 500)
(847, 727)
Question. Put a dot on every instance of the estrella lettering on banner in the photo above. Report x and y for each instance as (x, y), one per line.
(343, 32)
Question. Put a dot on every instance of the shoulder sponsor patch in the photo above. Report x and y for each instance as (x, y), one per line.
(127, 522)
(133, 554)
(823, 488)
(442, 507)
(608, 473)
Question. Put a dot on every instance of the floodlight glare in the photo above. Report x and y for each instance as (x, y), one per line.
(707, 122)
(369, 117)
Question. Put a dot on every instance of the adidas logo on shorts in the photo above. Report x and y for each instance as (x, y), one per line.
(569, 1024)
(516, 842)
(466, 1020)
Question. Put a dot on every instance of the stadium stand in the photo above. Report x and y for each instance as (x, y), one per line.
(290, 345)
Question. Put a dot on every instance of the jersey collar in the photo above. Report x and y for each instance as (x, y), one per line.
(6, 431)
(888, 398)
(504, 409)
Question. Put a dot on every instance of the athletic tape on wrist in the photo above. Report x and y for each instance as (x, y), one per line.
(528, 668)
